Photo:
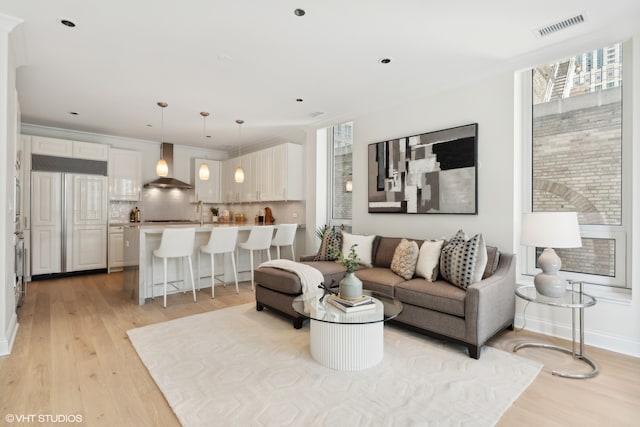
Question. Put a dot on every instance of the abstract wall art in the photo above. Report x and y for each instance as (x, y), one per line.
(431, 173)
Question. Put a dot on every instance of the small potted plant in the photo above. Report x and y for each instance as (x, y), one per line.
(214, 214)
(350, 285)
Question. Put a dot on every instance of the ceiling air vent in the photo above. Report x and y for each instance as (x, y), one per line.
(559, 26)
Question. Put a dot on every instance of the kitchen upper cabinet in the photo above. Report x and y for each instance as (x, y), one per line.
(90, 151)
(273, 174)
(287, 172)
(208, 191)
(125, 174)
(51, 146)
(67, 148)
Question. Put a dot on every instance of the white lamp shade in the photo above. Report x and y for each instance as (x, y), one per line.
(239, 175)
(162, 168)
(551, 230)
(203, 173)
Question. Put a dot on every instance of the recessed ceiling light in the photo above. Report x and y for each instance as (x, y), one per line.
(149, 125)
(73, 113)
(299, 12)
(299, 100)
(208, 136)
(67, 23)
(385, 60)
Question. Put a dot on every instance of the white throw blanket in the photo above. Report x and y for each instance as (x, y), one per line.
(310, 278)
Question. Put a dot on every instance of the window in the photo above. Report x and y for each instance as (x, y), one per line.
(576, 164)
(340, 176)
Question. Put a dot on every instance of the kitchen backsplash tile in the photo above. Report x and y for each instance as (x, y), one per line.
(157, 204)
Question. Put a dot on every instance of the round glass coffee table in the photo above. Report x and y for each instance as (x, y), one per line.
(348, 341)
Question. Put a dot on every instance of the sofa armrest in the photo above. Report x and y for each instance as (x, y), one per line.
(490, 304)
(306, 258)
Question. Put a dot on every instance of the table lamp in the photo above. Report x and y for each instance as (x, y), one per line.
(550, 230)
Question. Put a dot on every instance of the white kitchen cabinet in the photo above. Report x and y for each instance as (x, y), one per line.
(287, 172)
(273, 174)
(125, 174)
(46, 224)
(66, 148)
(116, 248)
(51, 146)
(252, 176)
(90, 151)
(208, 191)
(88, 248)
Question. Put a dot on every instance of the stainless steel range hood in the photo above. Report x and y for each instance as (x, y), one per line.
(166, 150)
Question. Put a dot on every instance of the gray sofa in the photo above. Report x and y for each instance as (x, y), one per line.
(439, 309)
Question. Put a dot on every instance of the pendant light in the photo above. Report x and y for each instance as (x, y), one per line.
(203, 173)
(162, 169)
(239, 174)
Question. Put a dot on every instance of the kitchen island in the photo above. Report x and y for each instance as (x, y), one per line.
(140, 240)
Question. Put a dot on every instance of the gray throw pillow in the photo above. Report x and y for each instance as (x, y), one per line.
(462, 261)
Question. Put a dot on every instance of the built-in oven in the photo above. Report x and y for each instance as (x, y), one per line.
(20, 288)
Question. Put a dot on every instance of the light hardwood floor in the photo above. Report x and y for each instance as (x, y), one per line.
(72, 356)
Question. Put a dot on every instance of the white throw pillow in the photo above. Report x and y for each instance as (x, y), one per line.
(363, 249)
(429, 259)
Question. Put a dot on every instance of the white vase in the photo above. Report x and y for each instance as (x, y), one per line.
(350, 287)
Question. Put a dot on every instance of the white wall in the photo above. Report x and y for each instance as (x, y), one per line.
(8, 132)
(462, 106)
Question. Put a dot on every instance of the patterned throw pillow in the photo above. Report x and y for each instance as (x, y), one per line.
(462, 261)
(405, 258)
(429, 259)
(331, 242)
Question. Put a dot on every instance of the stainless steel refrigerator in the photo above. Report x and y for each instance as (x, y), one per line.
(68, 222)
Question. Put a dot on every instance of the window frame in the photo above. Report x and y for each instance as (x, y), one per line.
(333, 221)
(621, 234)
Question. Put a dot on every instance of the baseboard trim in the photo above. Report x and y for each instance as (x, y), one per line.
(6, 344)
(598, 339)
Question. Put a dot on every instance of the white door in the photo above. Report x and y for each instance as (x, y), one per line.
(46, 225)
(86, 222)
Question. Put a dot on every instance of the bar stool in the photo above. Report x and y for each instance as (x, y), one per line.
(175, 243)
(221, 241)
(285, 235)
(259, 240)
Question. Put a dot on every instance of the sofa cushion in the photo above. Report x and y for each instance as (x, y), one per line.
(440, 295)
(364, 246)
(385, 249)
(405, 258)
(331, 242)
(462, 261)
(493, 258)
(428, 263)
(379, 279)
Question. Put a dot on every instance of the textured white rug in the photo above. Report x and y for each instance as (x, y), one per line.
(241, 367)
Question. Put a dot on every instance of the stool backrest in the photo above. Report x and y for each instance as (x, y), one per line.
(285, 235)
(176, 242)
(259, 237)
(222, 240)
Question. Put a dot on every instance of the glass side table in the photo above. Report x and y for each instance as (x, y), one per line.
(577, 301)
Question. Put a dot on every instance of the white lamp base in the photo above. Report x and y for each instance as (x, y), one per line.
(548, 283)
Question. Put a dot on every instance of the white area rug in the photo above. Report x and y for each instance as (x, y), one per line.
(241, 367)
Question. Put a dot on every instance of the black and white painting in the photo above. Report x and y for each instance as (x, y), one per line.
(434, 172)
